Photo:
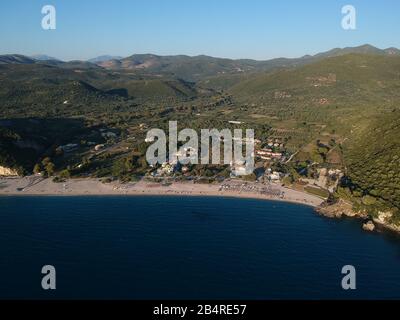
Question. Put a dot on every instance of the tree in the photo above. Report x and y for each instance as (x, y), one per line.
(119, 167)
(50, 167)
(250, 177)
(65, 174)
(37, 168)
(45, 161)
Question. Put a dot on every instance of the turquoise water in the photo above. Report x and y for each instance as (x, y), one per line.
(188, 248)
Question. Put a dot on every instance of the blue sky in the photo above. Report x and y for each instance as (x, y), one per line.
(258, 29)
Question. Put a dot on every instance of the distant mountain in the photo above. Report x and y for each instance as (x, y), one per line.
(181, 66)
(195, 68)
(78, 64)
(364, 49)
(392, 51)
(198, 67)
(15, 59)
(43, 57)
(46, 60)
(104, 58)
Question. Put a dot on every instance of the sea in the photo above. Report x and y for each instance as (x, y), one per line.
(167, 247)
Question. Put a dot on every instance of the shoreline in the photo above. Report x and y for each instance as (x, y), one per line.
(35, 186)
(222, 195)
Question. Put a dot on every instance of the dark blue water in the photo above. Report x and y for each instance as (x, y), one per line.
(185, 248)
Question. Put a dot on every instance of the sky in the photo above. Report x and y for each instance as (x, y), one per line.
(256, 29)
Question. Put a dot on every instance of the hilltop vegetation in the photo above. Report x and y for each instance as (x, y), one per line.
(185, 67)
(24, 141)
(330, 92)
(39, 90)
(373, 162)
(200, 67)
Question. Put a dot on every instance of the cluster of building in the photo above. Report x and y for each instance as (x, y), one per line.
(268, 154)
(273, 176)
(238, 169)
(104, 133)
(168, 169)
(273, 151)
(275, 143)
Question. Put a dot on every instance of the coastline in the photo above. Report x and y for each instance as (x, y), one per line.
(39, 187)
(343, 209)
(35, 186)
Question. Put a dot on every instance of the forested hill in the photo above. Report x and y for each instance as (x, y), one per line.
(373, 164)
(193, 68)
(340, 92)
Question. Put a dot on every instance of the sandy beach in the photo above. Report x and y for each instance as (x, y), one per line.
(37, 186)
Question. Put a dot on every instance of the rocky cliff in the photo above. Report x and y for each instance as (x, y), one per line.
(340, 209)
(343, 208)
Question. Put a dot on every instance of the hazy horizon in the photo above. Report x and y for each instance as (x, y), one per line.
(259, 30)
(178, 54)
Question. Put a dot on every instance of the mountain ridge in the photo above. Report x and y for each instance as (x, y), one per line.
(103, 58)
(193, 68)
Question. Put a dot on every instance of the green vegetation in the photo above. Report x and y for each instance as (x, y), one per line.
(322, 193)
(373, 161)
(334, 111)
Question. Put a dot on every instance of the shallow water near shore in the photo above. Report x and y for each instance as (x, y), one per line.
(156, 247)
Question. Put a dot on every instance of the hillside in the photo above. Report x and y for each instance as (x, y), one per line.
(373, 162)
(24, 141)
(156, 89)
(195, 68)
(41, 89)
(339, 92)
(188, 68)
(44, 57)
(200, 67)
(37, 90)
(336, 110)
(324, 96)
(364, 49)
(104, 58)
(16, 59)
